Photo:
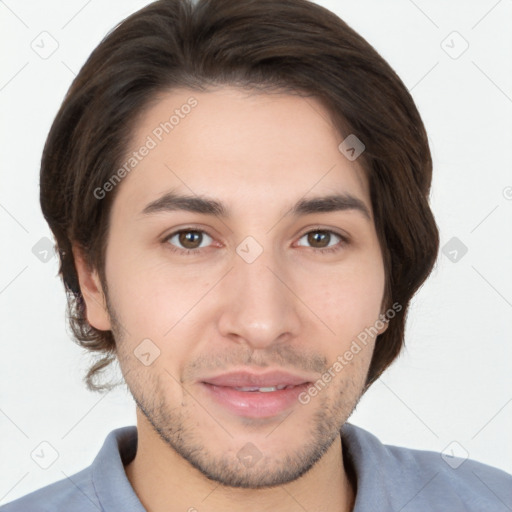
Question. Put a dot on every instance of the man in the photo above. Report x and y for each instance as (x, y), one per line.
(239, 195)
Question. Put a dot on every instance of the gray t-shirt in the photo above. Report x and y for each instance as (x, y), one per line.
(389, 478)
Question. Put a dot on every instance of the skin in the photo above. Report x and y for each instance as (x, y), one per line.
(293, 308)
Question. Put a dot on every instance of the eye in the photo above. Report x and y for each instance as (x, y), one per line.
(320, 239)
(194, 241)
(188, 240)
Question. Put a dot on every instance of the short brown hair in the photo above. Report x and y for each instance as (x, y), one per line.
(293, 46)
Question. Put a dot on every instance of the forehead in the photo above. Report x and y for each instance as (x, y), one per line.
(242, 147)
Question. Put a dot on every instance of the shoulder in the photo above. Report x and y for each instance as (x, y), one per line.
(423, 479)
(101, 485)
(75, 493)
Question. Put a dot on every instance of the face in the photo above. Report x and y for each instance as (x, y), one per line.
(218, 301)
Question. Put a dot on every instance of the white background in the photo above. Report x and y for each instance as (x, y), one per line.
(452, 382)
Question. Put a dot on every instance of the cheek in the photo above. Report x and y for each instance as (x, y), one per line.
(348, 299)
(152, 298)
(136, 293)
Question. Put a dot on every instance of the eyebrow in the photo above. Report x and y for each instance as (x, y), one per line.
(204, 205)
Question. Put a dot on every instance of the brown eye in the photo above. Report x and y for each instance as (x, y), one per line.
(325, 241)
(188, 239)
(321, 239)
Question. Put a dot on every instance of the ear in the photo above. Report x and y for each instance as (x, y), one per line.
(386, 324)
(385, 321)
(92, 292)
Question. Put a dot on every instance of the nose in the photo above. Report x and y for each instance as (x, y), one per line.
(258, 306)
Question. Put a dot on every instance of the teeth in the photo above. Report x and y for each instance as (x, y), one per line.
(264, 389)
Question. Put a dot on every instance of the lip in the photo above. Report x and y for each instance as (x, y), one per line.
(255, 404)
(267, 379)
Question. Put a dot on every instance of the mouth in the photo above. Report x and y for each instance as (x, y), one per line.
(266, 389)
(256, 395)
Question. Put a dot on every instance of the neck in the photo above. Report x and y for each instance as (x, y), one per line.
(164, 481)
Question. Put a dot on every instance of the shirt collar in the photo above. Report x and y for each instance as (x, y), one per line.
(109, 478)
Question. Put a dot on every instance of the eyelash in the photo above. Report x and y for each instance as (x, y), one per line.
(344, 241)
